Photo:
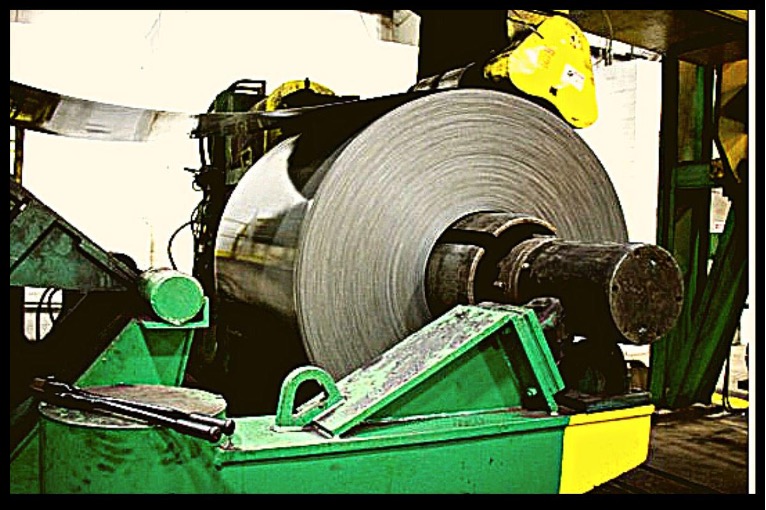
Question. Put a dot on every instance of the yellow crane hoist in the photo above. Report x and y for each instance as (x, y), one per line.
(549, 58)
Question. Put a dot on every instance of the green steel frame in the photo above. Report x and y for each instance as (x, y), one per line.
(48, 251)
(378, 430)
(144, 352)
(686, 364)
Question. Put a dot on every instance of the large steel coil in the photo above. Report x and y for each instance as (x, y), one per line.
(338, 246)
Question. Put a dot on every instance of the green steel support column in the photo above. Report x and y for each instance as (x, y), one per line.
(666, 208)
(722, 300)
(683, 214)
(685, 365)
(26, 476)
(16, 320)
(692, 228)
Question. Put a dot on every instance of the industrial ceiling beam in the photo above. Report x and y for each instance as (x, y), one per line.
(697, 36)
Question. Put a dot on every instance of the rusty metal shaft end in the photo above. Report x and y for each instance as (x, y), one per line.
(630, 292)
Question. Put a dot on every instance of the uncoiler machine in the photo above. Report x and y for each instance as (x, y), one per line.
(418, 293)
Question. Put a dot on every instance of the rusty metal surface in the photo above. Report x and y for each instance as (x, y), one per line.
(646, 294)
(451, 276)
(462, 267)
(630, 292)
(497, 224)
(185, 399)
(510, 267)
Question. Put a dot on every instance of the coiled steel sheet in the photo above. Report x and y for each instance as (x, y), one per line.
(338, 244)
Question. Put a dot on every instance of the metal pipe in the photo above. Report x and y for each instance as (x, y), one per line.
(173, 296)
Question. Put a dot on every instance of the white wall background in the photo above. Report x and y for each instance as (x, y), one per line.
(130, 197)
(626, 139)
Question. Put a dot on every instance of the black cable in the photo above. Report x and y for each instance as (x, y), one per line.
(170, 243)
(202, 151)
(194, 223)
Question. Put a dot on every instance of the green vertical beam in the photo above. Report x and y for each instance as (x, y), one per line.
(666, 208)
(692, 218)
(25, 478)
(18, 337)
(721, 302)
(686, 364)
(683, 214)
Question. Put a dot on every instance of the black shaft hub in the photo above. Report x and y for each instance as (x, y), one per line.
(621, 292)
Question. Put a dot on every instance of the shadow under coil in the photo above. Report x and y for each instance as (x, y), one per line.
(343, 253)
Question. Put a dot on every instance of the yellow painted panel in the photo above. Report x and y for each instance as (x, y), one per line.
(735, 402)
(599, 447)
(738, 15)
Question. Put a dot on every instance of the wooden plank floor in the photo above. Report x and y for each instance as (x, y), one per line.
(696, 451)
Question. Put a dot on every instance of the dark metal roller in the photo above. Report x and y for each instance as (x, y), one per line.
(627, 293)
(342, 251)
(463, 266)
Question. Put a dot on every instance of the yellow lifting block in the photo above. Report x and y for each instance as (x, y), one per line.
(553, 62)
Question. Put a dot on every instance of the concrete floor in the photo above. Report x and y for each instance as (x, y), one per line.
(700, 450)
(738, 368)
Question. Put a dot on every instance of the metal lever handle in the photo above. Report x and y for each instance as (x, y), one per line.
(193, 424)
(183, 426)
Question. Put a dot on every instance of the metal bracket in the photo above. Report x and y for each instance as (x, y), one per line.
(286, 419)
